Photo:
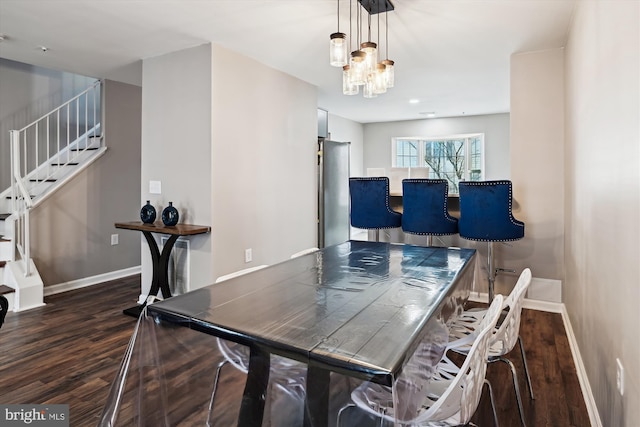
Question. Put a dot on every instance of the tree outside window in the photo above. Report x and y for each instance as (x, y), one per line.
(454, 158)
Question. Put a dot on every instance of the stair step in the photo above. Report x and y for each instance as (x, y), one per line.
(9, 197)
(44, 180)
(82, 149)
(4, 216)
(65, 164)
(4, 289)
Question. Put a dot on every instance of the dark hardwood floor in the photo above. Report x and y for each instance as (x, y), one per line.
(70, 350)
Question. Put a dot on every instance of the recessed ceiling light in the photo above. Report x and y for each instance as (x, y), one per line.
(43, 48)
(414, 101)
(429, 114)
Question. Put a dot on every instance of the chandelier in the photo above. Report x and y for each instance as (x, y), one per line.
(360, 66)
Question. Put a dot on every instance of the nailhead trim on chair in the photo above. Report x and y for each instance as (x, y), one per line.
(378, 178)
(511, 218)
(446, 209)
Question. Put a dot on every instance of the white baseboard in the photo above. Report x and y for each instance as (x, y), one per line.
(589, 400)
(555, 307)
(90, 281)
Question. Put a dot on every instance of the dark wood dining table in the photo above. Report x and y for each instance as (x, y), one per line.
(358, 308)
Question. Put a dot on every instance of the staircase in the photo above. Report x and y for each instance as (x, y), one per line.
(44, 156)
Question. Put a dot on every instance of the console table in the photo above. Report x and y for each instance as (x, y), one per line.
(160, 261)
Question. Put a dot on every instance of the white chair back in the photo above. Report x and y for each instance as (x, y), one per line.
(239, 273)
(506, 335)
(462, 396)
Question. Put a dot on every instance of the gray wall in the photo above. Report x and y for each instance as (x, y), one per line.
(176, 149)
(264, 152)
(537, 161)
(71, 230)
(377, 139)
(603, 200)
(27, 93)
(233, 143)
(344, 130)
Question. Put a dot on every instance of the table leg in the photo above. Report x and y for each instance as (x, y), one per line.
(317, 403)
(160, 262)
(160, 277)
(255, 390)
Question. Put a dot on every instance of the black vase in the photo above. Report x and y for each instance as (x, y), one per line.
(170, 215)
(148, 213)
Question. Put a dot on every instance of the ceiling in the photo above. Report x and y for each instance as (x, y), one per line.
(452, 56)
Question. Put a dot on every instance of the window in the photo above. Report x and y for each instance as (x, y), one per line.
(454, 158)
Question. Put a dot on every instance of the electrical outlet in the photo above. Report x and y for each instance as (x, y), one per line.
(114, 239)
(620, 377)
(248, 256)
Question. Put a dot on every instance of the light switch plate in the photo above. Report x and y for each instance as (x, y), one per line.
(155, 187)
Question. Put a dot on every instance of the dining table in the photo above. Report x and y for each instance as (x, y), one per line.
(359, 309)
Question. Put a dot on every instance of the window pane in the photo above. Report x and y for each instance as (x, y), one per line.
(453, 159)
(406, 153)
(446, 160)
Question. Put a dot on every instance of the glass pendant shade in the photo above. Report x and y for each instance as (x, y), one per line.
(348, 87)
(371, 50)
(388, 70)
(358, 69)
(338, 49)
(380, 79)
(368, 89)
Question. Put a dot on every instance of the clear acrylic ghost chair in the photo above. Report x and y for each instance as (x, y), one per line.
(448, 399)
(288, 375)
(504, 337)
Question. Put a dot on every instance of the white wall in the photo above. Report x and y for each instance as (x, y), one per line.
(176, 149)
(603, 198)
(377, 139)
(263, 163)
(537, 162)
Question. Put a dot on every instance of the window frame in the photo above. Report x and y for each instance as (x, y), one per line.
(422, 140)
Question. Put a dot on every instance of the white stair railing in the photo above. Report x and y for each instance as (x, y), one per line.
(41, 148)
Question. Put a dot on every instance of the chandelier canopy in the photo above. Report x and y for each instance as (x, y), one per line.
(360, 62)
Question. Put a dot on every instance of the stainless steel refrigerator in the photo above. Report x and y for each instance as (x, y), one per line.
(333, 192)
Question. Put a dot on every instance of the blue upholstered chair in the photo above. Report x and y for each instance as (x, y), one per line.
(486, 216)
(370, 204)
(425, 212)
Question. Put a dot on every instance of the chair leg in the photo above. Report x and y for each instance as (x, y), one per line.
(526, 368)
(215, 388)
(493, 403)
(344, 408)
(491, 270)
(516, 388)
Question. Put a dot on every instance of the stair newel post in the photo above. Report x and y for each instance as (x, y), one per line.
(14, 139)
(21, 206)
(27, 243)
